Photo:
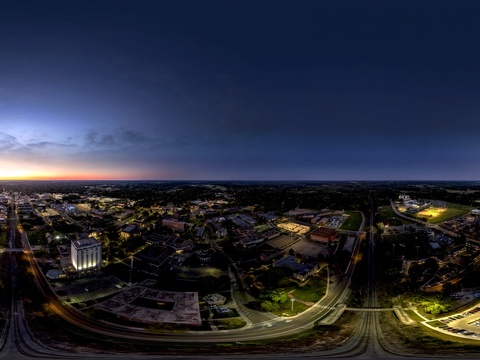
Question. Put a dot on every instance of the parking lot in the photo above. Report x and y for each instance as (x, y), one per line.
(465, 324)
(82, 290)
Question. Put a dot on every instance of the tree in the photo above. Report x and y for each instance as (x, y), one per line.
(277, 295)
(434, 307)
(272, 299)
(431, 264)
(192, 261)
(271, 278)
(269, 306)
(113, 235)
(219, 260)
(414, 271)
(207, 283)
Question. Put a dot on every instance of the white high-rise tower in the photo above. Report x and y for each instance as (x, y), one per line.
(86, 254)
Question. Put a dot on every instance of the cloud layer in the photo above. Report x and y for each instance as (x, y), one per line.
(240, 90)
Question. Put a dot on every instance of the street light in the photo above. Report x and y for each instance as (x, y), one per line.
(292, 303)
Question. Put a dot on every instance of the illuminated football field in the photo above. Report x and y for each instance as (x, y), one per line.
(432, 212)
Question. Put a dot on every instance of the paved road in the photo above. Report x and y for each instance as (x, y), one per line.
(368, 341)
(426, 224)
(265, 330)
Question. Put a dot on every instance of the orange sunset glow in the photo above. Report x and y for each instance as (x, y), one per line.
(39, 174)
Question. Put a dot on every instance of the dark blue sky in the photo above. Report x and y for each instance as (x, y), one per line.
(238, 89)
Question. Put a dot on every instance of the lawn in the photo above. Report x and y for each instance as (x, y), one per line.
(437, 215)
(313, 291)
(353, 221)
(286, 308)
(387, 213)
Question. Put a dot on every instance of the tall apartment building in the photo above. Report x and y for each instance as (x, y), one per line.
(86, 254)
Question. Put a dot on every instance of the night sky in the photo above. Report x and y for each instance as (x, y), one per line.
(240, 90)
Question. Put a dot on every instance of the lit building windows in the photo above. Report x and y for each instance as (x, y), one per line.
(86, 254)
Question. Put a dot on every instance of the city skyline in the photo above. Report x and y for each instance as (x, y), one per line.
(239, 90)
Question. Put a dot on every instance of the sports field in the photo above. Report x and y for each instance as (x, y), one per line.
(432, 212)
(438, 214)
(353, 221)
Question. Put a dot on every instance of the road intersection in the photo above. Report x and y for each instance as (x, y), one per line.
(368, 340)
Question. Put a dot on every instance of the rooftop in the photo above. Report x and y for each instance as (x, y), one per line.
(85, 242)
(325, 232)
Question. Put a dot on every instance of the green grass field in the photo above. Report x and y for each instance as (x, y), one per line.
(386, 212)
(453, 210)
(353, 221)
(286, 309)
(313, 291)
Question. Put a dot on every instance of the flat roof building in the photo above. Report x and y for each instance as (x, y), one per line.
(86, 254)
(324, 235)
(174, 224)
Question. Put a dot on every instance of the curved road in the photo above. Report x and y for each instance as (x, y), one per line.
(367, 342)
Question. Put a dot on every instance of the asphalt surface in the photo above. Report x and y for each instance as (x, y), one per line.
(368, 341)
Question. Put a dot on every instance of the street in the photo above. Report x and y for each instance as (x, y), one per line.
(368, 340)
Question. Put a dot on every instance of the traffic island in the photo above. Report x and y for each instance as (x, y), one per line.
(333, 315)
(402, 316)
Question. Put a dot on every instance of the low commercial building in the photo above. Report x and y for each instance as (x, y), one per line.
(174, 224)
(324, 235)
(271, 254)
(151, 306)
(128, 231)
(301, 271)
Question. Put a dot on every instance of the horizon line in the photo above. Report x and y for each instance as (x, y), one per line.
(251, 180)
